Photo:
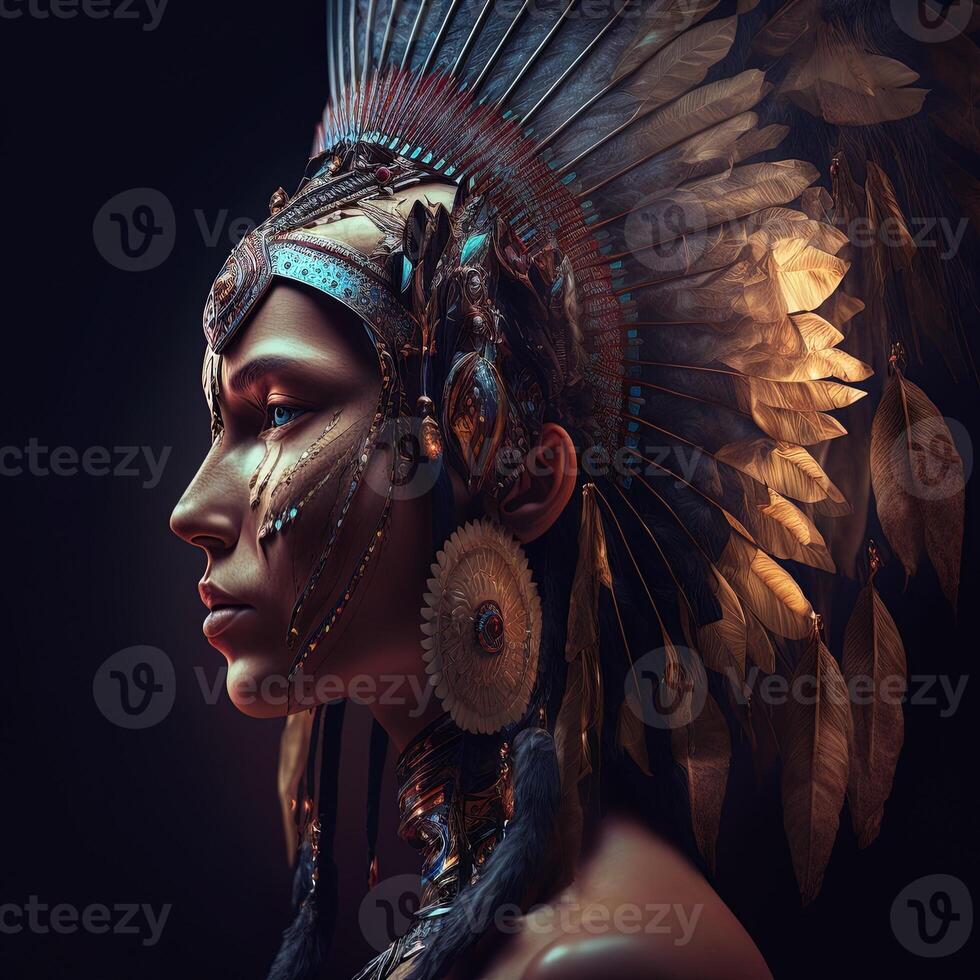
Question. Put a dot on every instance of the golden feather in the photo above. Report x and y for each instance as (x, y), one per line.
(682, 64)
(631, 732)
(721, 643)
(806, 275)
(817, 333)
(815, 750)
(804, 396)
(698, 111)
(743, 191)
(762, 362)
(887, 220)
(702, 749)
(873, 657)
(788, 469)
(767, 590)
(662, 22)
(833, 79)
(787, 27)
(803, 428)
(758, 646)
(918, 481)
(784, 531)
(759, 141)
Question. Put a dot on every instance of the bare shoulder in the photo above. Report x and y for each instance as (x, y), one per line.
(638, 909)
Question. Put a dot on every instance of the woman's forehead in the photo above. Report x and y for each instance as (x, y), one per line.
(294, 321)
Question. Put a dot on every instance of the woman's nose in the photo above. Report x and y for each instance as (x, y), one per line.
(205, 515)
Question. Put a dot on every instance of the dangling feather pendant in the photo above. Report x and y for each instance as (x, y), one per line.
(918, 481)
(580, 715)
(815, 763)
(702, 749)
(873, 658)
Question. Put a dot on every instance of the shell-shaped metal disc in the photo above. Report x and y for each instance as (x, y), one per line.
(481, 626)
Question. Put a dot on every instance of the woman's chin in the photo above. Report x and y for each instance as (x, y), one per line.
(257, 685)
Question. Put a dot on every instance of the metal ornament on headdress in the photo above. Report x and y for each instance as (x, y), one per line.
(482, 628)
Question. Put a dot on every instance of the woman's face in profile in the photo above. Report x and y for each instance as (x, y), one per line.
(298, 392)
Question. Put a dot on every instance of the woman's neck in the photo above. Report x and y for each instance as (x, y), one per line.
(403, 701)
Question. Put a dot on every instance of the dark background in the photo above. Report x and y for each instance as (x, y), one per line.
(215, 109)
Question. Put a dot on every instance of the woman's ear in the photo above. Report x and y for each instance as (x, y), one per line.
(543, 490)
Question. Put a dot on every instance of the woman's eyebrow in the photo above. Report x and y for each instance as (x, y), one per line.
(246, 376)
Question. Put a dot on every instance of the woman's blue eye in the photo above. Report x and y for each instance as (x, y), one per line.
(280, 415)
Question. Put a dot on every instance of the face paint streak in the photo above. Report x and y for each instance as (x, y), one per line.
(383, 407)
(328, 622)
(322, 561)
(272, 469)
(292, 511)
(308, 456)
(255, 475)
(345, 467)
(256, 497)
(282, 511)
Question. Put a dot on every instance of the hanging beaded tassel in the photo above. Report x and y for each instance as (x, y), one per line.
(378, 753)
(306, 943)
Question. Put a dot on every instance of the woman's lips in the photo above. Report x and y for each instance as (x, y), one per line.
(225, 610)
(222, 618)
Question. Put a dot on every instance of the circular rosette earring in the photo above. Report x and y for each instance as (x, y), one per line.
(482, 628)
